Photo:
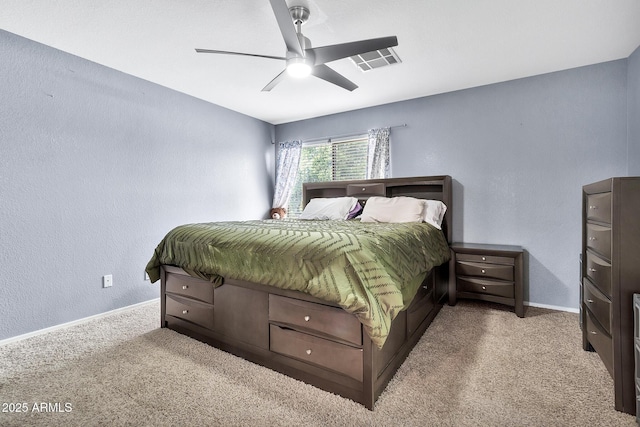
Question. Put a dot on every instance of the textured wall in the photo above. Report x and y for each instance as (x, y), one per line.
(633, 102)
(95, 167)
(519, 153)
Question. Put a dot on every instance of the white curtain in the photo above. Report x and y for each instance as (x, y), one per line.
(286, 172)
(378, 154)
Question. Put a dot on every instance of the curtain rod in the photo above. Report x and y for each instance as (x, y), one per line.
(346, 135)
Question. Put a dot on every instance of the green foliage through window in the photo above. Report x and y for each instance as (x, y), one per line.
(329, 161)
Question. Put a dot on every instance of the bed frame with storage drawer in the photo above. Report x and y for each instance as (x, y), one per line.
(302, 336)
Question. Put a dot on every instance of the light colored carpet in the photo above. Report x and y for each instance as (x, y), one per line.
(478, 364)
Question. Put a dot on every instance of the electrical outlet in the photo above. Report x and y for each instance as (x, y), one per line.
(107, 281)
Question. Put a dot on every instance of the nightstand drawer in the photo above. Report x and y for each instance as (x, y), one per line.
(190, 310)
(494, 271)
(487, 287)
(493, 259)
(598, 304)
(328, 354)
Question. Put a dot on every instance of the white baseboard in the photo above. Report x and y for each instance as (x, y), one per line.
(74, 322)
(553, 307)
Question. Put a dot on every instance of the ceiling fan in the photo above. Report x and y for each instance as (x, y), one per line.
(302, 59)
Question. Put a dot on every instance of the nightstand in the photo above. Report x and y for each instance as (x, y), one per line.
(488, 273)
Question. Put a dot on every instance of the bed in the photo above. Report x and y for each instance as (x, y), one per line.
(343, 317)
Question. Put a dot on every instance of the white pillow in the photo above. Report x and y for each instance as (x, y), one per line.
(394, 209)
(328, 208)
(434, 211)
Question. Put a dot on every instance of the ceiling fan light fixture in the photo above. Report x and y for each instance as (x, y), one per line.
(298, 68)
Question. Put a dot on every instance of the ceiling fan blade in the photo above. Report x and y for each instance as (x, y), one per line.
(326, 73)
(275, 81)
(287, 28)
(226, 52)
(330, 53)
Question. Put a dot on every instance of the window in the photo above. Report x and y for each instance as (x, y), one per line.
(329, 161)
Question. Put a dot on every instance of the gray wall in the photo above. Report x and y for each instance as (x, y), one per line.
(633, 102)
(95, 167)
(519, 153)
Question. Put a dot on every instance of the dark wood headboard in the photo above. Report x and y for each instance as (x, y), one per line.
(423, 187)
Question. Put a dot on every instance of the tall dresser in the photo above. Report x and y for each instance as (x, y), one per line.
(610, 277)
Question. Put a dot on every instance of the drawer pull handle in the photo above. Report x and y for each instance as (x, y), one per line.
(308, 351)
(593, 270)
(593, 207)
(483, 271)
(184, 287)
(593, 239)
(484, 258)
(590, 301)
(185, 311)
(484, 288)
(364, 189)
(593, 332)
(307, 318)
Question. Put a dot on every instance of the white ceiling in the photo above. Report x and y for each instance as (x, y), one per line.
(444, 45)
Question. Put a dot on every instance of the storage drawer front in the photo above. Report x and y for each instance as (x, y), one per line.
(598, 207)
(356, 190)
(494, 271)
(190, 287)
(600, 341)
(191, 311)
(329, 321)
(318, 351)
(599, 239)
(485, 258)
(419, 308)
(488, 287)
(599, 271)
(598, 304)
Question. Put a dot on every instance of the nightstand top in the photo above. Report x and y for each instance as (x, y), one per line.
(483, 247)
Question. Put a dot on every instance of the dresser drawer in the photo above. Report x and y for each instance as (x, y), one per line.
(328, 321)
(487, 287)
(190, 310)
(495, 271)
(598, 304)
(598, 207)
(485, 258)
(599, 239)
(189, 287)
(328, 354)
(601, 342)
(599, 271)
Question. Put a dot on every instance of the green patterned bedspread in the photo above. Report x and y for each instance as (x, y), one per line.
(371, 270)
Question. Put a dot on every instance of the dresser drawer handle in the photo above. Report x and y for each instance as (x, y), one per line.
(593, 332)
(308, 351)
(185, 311)
(590, 301)
(484, 258)
(593, 207)
(185, 287)
(483, 271)
(591, 269)
(364, 189)
(484, 288)
(307, 318)
(593, 239)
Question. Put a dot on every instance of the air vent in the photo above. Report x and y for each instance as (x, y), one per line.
(375, 59)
